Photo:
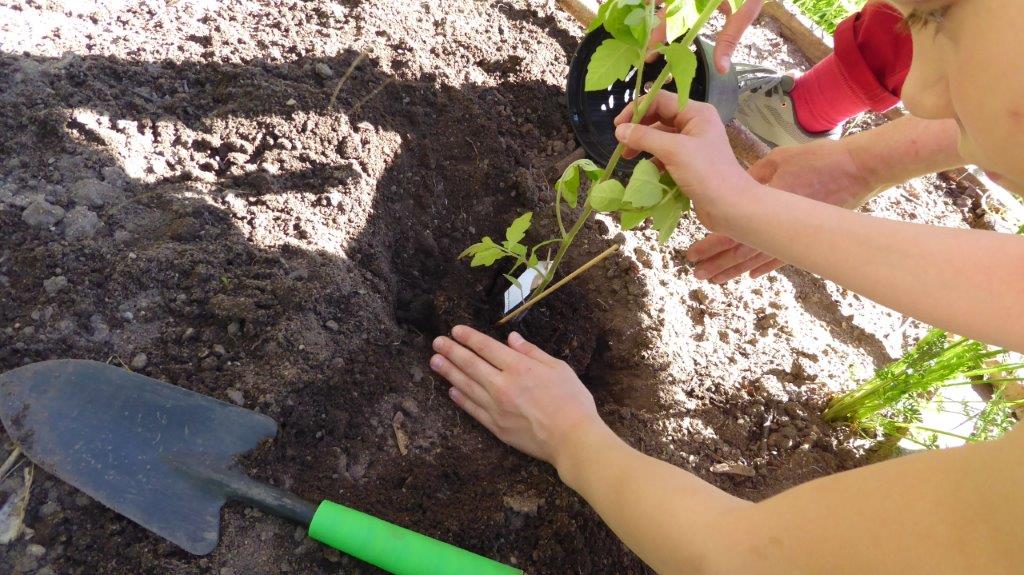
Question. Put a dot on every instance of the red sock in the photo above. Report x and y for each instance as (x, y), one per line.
(823, 98)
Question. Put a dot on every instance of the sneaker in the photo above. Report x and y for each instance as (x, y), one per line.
(766, 109)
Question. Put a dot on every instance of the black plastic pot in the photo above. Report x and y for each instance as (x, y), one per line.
(591, 113)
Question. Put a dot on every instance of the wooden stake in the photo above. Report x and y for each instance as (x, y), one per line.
(516, 312)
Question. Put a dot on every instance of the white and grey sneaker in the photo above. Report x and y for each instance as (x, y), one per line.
(766, 109)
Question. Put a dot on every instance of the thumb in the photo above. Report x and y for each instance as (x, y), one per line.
(735, 25)
(660, 144)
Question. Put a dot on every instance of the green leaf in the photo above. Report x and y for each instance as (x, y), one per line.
(569, 184)
(515, 248)
(514, 281)
(612, 61)
(644, 188)
(683, 64)
(607, 196)
(680, 16)
(630, 219)
(615, 22)
(517, 231)
(668, 213)
(478, 247)
(485, 253)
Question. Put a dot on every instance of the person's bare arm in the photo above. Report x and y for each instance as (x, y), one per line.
(953, 511)
(904, 149)
(965, 281)
(845, 173)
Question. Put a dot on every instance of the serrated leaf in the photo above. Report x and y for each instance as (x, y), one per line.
(517, 230)
(680, 16)
(607, 196)
(644, 188)
(629, 219)
(612, 61)
(487, 257)
(476, 248)
(516, 248)
(683, 64)
(668, 213)
(568, 185)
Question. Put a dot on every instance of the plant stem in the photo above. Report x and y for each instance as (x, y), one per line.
(543, 294)
(639, 111)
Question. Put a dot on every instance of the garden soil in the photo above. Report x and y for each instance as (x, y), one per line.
(265, 201)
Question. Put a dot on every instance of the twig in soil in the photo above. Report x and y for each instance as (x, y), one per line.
(341, 82)
(360, 103)
(515, 313)
(9, 462)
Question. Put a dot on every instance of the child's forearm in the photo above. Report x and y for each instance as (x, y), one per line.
(966, 281)
(905, 149)
(668, 517)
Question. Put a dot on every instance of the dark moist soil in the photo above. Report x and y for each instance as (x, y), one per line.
(225, 222)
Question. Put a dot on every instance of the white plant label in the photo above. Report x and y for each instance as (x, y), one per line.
(529, 279)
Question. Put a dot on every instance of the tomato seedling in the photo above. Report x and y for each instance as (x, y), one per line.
(649, 193)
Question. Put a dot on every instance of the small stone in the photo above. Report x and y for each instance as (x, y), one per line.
(81, 223)
(219, 350)
(46, 571)
(209, 364)
(331, 325)
(55, 284)
(324, 71)
(189, 334)
(91, 192)
(227, 571)
(524, 504)
(235, 396)
(36, 550)
(416, 373)
(139, 362)
(49, 508)
(42, 214)
(733, 469)
(332, 555)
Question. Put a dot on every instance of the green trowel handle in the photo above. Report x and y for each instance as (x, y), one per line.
(396, 549)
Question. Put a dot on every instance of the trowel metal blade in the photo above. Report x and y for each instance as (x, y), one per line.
(115, 435)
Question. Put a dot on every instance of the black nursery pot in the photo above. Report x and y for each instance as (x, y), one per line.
(592, 113)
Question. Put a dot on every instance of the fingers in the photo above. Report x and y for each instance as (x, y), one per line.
(462, 382)
(709, 247)
(766, 268)
(735, 25)
(720, 264)
(526, 348)
(473, 409)
(741, 268)
(467, 361)
(492, 350)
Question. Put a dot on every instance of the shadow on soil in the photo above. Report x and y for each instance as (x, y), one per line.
(332, 341)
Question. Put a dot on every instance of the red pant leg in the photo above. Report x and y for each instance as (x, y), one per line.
(872, 57)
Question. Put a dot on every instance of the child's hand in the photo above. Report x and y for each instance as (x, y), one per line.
(822, 171)
(527, 398)
(693, 146)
